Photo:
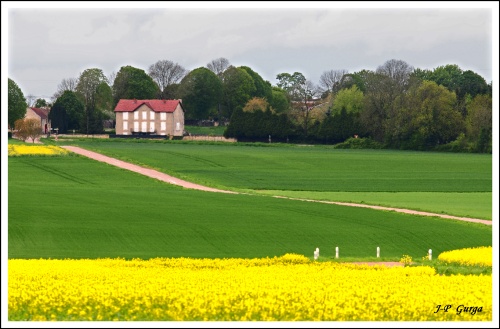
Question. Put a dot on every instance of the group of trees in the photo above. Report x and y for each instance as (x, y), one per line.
(396, 105)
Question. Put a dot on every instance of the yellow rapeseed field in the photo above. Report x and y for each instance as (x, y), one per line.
(287, 288)
(20, 150)
(481, 256)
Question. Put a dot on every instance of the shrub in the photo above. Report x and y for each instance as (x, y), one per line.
(358, 143)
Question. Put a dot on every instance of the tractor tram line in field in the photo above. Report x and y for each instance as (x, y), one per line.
(176, 181)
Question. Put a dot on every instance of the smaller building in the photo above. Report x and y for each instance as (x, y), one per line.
(149, 117)
(39, 113)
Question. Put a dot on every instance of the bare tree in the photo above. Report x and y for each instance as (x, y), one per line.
(399, 71)
(111, 78)
(166, 73)
(332, 80)
(30, 100)
(218, 66)
(66, 84)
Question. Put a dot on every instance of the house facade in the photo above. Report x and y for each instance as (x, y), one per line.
(41, 114)
(149, 117)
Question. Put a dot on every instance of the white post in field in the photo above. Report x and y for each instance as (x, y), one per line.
(430, 254)
(336, 252)
(378, 252)
(316, 253)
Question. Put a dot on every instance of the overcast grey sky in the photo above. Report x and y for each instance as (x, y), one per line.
(48, 44)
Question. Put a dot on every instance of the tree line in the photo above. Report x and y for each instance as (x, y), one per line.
(394, 106)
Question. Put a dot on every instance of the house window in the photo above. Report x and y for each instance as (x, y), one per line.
(151, 127)
(151, 115)
(125, 115)
(125, 125)
(163, 116)
(136, 115)
(144, 115)
(136, 126)
(144, 126)
(177, 126)
(163, 125)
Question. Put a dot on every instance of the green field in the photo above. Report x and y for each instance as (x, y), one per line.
(74, 207)
(209, 131)
(456, 184)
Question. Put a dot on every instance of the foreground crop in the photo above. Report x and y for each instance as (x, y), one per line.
(284, 288)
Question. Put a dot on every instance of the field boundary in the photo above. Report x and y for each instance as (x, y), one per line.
(179, 182)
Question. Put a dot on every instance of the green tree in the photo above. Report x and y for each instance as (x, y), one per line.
(40, 102)
(104, 101)
(87, 89)
(427, 117)
(279, 101)
(479, 122)
(201, 92)
(351, 99)
(292, 84)
(133, 83)
(263, 88)
(68, 113)
(238, 87)
(16, 103)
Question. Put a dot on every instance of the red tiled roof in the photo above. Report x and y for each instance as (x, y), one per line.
(42, 113)
(157, 105)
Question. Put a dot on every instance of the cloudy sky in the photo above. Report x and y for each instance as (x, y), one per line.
(50, 43)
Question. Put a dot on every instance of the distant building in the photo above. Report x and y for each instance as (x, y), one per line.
(39, 113)
(149, 117)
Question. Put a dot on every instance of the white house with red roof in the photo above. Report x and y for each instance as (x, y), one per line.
(149, 117)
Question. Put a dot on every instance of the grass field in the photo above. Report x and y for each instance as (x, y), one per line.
(74, 207)
(456, 184)
(209, 131)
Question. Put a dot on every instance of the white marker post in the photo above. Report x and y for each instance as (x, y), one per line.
(430, 254)
(378, 252)
(316, 253)
(336, 252)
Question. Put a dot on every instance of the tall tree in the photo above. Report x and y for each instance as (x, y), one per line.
(292, 84)
(131, 82)
(398, 71)
(218, 66)
(87, 89)
(66, 84)
(332, 80)
(68, 113)
(201, 91)
(238, 87)
(30, 100)
(479, 122)
(16, 103)
(263, 88)
(303, 94)
(166, 73)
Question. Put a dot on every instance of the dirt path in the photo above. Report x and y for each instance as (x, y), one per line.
(172, 180)
(141, 170)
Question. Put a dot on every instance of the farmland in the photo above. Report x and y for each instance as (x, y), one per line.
(89, 241)
(74, 207)
(458, 185)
